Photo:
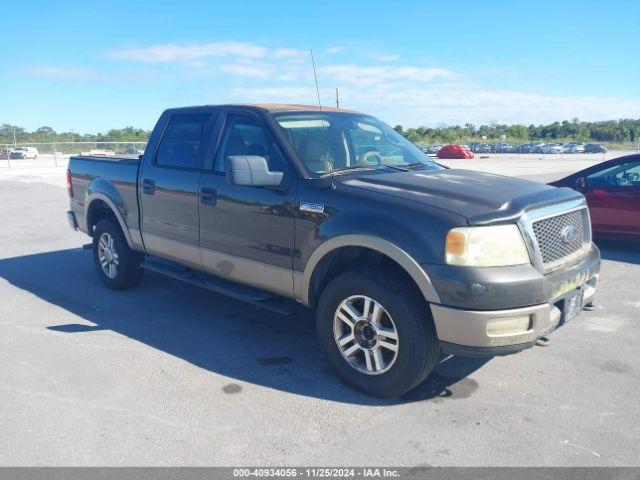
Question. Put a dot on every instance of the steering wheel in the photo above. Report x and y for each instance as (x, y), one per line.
(366, 158)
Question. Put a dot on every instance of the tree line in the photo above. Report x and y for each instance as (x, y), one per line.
(616, 131)
(48, 135)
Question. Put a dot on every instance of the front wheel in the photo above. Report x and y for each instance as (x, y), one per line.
(380, 341)
(117, 265)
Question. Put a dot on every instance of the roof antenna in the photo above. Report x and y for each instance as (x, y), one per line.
(337, 99)
(316, 78)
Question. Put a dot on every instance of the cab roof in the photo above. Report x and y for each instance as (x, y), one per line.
(269, 107)
(293, 107)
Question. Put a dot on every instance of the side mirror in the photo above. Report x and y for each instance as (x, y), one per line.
(581, 183)
(251, 171)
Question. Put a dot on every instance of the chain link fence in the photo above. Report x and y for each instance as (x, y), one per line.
(56, 154)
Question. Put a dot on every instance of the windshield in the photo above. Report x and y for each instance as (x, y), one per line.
(334, 141)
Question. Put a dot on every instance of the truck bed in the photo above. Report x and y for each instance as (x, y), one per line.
(123, 159)
(115, 174)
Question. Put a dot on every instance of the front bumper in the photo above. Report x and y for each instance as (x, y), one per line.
(465, 332)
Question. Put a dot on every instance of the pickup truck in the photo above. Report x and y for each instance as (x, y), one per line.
(401, 258)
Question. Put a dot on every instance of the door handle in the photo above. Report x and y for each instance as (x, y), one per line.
(208, 196)
(148, 186)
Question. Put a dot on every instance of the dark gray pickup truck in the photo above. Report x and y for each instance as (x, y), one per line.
(401, 258)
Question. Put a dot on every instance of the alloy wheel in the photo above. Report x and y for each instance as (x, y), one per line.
(365, 335)
(108, 255)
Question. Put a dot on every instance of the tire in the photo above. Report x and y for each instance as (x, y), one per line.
(417, 347)
(125, 272)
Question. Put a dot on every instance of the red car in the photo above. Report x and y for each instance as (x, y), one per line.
(612, 189)
(454, 151)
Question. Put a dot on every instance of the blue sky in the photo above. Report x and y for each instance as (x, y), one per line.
(89, 66)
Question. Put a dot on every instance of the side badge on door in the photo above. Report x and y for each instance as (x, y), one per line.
(312, 207)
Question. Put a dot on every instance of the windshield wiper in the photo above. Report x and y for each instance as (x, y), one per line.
(417, 164)
(363, 166)
(350, 167)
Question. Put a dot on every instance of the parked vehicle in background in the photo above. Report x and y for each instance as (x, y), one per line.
(433, 149)
(19, 153)
(454, 151)
(551, 149)
(594, 148)
(525, 148)
(502, 148)
(573, 147)
(612, 190)
(98, 152)
(537, 147)
(134, 151)
(400, 258)
(477, 147)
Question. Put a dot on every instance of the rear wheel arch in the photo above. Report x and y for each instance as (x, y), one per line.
(101, 207)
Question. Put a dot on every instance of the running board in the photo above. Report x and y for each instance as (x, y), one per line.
(244, 293)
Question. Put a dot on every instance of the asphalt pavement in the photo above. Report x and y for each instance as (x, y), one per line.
(168, 374)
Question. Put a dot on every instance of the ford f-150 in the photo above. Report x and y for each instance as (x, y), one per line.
(400, 257)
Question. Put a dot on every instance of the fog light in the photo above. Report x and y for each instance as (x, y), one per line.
(509, 325)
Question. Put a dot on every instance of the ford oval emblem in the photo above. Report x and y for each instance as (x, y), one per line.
(569, 234)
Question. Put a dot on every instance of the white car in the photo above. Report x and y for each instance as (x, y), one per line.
(20, 153)
(552, 149)
(98, 152)
(578, 148)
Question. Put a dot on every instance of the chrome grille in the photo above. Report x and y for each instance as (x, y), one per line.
(549, 235)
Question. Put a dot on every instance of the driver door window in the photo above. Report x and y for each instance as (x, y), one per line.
(625, 175)
(246, 136)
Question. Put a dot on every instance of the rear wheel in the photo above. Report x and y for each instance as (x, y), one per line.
(380, 340)
(117, 265)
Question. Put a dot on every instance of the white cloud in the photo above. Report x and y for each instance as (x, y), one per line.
(171, 52)
(61, 73)
(449, 104)
(370, 75)
(291, 54)
(386, 58)
(456, 104)
(409, 94)
(196, 63)
(245, 70)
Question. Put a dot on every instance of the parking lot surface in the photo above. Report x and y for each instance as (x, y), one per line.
(168, 374)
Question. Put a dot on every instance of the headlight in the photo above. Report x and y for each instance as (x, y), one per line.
(493, 246)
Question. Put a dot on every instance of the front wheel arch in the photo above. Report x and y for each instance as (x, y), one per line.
(319, 262)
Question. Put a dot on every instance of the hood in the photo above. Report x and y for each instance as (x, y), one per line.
(480, 197)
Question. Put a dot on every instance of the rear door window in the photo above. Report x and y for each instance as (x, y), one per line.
(183, 141)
